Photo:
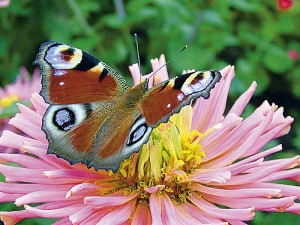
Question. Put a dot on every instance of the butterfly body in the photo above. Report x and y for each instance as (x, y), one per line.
(94, 117)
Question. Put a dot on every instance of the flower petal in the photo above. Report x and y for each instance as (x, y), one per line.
(215, 212)
(142, 214)
(101, 201)
(155, 203)
(119, 215)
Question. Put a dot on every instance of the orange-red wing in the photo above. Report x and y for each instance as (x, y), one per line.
(81, 87)
(168, 97)
(71, 76)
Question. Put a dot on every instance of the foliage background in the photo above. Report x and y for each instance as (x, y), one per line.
(255, 36)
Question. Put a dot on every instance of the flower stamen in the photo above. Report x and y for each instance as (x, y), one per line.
(8, 100)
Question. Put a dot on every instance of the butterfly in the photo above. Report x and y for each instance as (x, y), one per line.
(94, 117)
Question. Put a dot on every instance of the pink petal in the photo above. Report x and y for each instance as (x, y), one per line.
(239, 134)
(253, 177)
(142, 215)
(270, 135)
(97, 216)
(198, 214)
(18, 174)
(241, 165)
(26, 161)
(293, 209)
(8, 197)
(29, 114)
(28, 127)
(184, 217)
(208, 177)
(236, 170)
(248, 141)
(76, 174)
(41, 196)
(209, 112)
(215, 212)
(286, 174)
(40, 151)
(168, 211)
(135, 73)
(20, 188)
(259, 203)
(10, 139)
(54, 213)
(241, 103)
(101, 201)
(83, 189)
(83, 214)
(39, 103)
(119, 215)
(155, 203)
(154, 189)
(229, 123)
(237, 193)
(159, 68)
(286, 190)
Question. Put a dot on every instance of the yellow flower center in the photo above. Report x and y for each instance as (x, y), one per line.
(8, 100)
(167, 159)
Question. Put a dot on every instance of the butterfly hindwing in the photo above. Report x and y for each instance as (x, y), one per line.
(71, 76)
(99, 134)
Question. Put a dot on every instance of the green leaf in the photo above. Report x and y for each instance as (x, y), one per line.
(295, 78)
(244, 5)
(276, 59)
(286, 23)
(248, 71)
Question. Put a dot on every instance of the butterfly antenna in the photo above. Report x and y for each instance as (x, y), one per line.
(184, 48)
(138, 53)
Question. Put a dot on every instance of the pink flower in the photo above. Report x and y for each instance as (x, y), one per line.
(22, 88)
(285, 4)
(19, 91)
(4, 3)
(293, 54)
(201, 160)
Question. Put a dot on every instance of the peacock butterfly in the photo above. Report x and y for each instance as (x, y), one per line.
(94, 117)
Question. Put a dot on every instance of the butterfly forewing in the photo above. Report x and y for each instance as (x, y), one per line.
(71, 76)
(171, 95)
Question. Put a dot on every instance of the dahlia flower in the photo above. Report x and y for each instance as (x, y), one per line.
(19, 91)
(202, 167)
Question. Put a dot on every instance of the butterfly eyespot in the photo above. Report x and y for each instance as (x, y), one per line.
(68, 54)
(64, 119)
(137, 134)
(62, 57)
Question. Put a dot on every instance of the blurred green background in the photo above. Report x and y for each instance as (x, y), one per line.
(259, 37)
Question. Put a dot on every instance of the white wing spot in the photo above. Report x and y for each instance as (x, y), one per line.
(60, 72)
(180, 97)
